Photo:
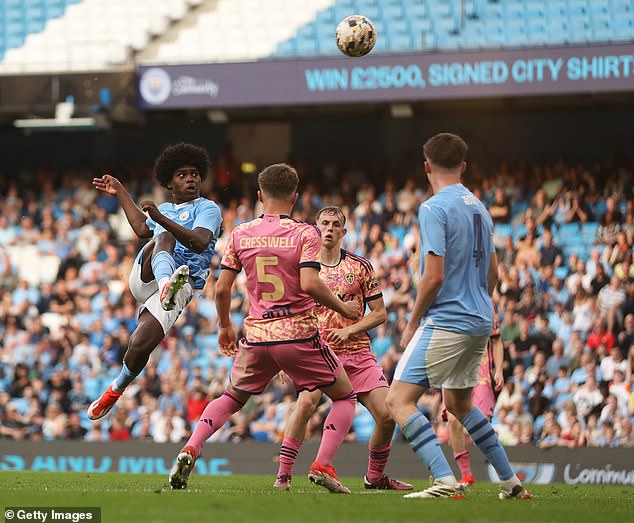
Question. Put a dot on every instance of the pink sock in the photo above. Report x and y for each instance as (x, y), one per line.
(378, 460)
(336, 428)
(288, 454)
(464, 464)
(213, 417)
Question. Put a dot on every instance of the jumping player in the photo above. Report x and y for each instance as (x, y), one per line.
(280, 257)
(459, 274)
(170, 266)
(489, 377)
(350, 277)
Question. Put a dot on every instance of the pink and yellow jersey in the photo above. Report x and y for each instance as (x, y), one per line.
(272, 249)
(352, 279)
(485, 372)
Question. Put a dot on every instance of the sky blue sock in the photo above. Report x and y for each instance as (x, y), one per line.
(422, 439)
(483, 435)
(163, 265)
(124, 379)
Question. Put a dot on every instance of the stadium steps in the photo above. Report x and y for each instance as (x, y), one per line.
(73, 35)
(94, 35)
(227, 30)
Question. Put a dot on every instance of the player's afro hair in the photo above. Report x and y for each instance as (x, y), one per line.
(176, 156)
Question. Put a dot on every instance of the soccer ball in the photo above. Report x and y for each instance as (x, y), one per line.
(356, 35)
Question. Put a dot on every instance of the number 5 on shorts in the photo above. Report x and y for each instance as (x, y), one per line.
(278, 285)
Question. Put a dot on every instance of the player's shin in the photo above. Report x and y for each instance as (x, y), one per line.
(163, 265)
(125, 377)
(377, 461)
(336, 428)
(422, 438)
(213, 417)
(288, 454)
(483, 435)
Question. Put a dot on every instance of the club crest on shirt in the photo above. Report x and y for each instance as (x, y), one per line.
(183, 216)
(349, 278)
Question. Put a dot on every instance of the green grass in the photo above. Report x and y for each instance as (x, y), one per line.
(249, 499)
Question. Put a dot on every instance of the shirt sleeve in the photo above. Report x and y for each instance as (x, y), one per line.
(433, 229)
(208, 217)
(311, 249)
(370, 286)
(230, 258)
(154, 227)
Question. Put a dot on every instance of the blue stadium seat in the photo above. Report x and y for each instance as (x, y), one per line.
(415, 10)
(306, 32)
(285, 49)
(404, 25)
(400, 42)
(391, 12)
(306, 47)
(397, 25)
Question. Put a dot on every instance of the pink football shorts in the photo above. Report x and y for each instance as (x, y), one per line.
(310, 363)
(364, 372)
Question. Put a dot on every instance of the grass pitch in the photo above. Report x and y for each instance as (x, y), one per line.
(252, 499)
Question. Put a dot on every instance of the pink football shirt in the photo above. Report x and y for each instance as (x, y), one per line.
(272, 249)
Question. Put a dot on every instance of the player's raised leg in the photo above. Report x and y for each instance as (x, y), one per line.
(380, 442)
(169, 278)
(294, 434)
(459, 403)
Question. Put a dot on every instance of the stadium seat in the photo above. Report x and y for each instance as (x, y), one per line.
(420, 24)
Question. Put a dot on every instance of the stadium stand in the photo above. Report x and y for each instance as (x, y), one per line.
(566, 301)
(49, 35)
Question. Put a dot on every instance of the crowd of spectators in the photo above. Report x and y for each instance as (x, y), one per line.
(564, 235)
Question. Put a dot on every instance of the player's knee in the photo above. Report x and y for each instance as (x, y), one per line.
(384, 419)
(305, 407)
(393, 404)
(165, 241)
(458, 411)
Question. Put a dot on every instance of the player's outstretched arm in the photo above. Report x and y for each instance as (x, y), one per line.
(196, 240)
(226, 333)
(312, 285)
(136, 218)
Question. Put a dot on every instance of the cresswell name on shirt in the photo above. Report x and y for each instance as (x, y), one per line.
(270, 242)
